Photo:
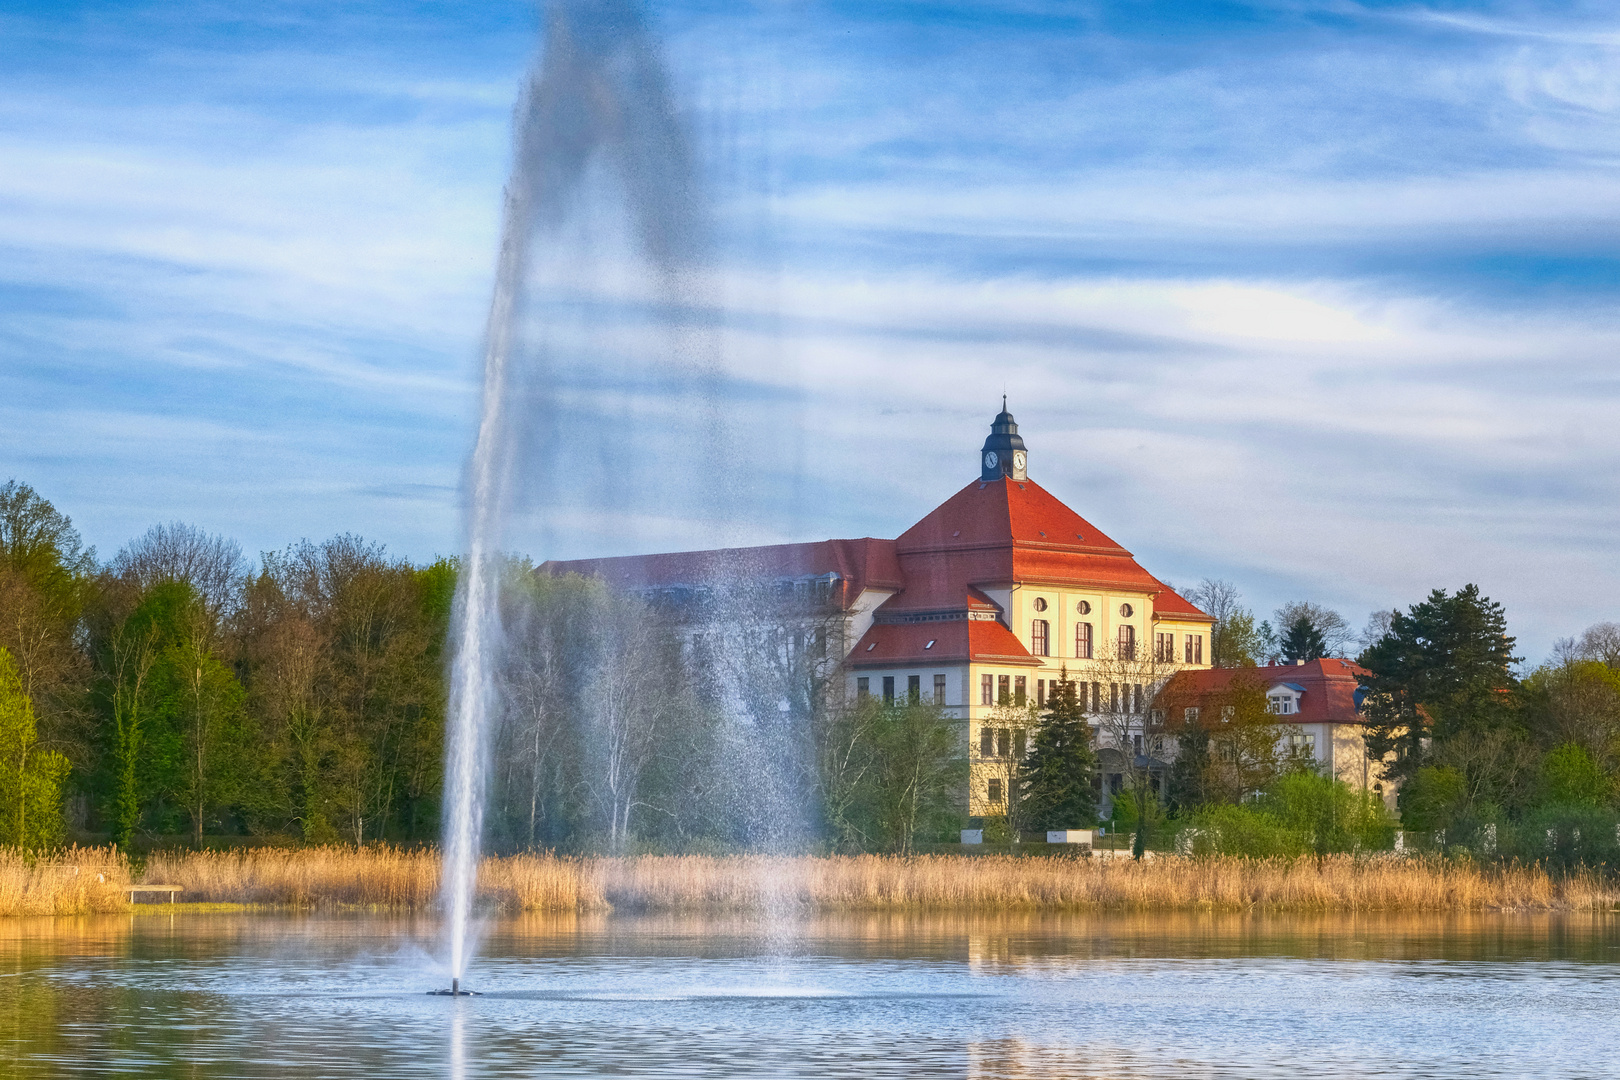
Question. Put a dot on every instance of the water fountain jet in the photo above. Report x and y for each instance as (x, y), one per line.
(598, 95)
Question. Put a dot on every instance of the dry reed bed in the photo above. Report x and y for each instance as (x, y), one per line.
(381, 877)
(870, 882)
(78, 881)
(391, 878)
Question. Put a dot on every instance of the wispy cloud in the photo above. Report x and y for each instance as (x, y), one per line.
(1316, 296)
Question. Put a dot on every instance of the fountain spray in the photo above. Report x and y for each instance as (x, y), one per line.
(598, 94)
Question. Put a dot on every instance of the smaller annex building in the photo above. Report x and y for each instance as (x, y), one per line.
(1317, 702)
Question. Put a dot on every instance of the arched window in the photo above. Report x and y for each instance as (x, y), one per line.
(1040, 638)
(1082, 641)
(1127, 643)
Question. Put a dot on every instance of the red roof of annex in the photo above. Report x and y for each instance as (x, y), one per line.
(1329, 687)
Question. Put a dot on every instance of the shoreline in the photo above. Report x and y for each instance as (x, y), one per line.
(381, 879)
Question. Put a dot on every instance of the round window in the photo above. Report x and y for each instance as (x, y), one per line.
(1040, 604)
(1126, 610)
(1083, 608)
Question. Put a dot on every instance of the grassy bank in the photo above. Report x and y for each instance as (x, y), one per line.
(87, 880)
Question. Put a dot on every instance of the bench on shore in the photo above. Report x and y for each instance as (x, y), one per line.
(172, 890)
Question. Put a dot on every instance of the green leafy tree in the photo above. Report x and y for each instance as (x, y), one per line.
(1570, 777)
(917, 771)
(1059, 778)
(1576, 702)
(895, 774)
(30, 776)
(46, 581)
(1441, 682)
(139, 686)
(1433, 797)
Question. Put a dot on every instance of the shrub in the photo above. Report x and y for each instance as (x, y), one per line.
(1570, 777)
(1298, 813)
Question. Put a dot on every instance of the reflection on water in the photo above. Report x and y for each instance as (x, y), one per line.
(209, 995)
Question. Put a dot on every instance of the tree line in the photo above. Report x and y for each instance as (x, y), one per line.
(176, 690)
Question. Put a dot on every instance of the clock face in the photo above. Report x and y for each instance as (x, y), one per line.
(990, 459)
(1018, 459)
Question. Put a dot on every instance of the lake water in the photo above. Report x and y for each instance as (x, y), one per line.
(225, 995)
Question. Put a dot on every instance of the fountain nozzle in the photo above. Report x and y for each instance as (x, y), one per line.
(454, 991)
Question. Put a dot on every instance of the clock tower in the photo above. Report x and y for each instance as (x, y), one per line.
(1003, 453)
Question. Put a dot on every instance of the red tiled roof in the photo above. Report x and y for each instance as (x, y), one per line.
(1171, 604)
(1330, 687)
(977, 601)
(1005, 531)
(864, 563)
(988, 535)
(983, 641)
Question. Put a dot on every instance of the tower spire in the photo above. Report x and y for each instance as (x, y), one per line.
(1004, 453)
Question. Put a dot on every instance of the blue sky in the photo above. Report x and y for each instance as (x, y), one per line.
(1318, 297)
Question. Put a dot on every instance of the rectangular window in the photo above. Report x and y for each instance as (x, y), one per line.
(1113, 697)
(1227, 712)
(1020, 689)
(863, 688)
(993, 791)
(1138, 698)
(987, 742)
(1190, 714)
(1003, 742)
(1127, 643)
(1164, 648)
(1003, 689)
(1040, 691)
(914, 689)
(1198, 648)
(1082, 641)
(1096, 697)
(1303, 744)
(1021, 744)
(888, 689)
(939, 689)
(1040, 637)
(1187, 650)
(1136, 745)
(987, 693)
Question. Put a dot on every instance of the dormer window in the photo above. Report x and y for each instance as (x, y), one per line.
(1283, 699)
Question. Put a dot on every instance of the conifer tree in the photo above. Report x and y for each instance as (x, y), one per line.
(1059, 774)
(1443, 672)
(1303, 640)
